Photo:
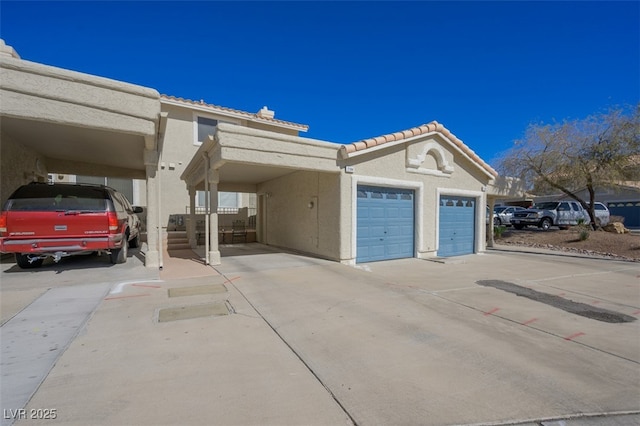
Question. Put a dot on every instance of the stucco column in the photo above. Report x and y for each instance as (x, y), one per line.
(152, 257)
(191, 229)
(490, 240)
(214, 250)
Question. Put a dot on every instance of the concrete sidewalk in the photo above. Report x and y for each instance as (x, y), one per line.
(281, 339)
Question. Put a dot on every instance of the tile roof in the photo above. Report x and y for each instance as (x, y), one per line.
(236, 112)
(434, 126)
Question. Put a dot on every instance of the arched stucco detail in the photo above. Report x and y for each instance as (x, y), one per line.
(415, 165)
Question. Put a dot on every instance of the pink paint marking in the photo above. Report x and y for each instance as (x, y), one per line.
(595, 302)
(530, 321)
(493, 311)
(126, 297)
(636, 313)
(146, 285)
(231, 279)
(574, 335)
(562, 294)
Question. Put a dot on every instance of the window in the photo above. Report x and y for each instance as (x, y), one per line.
(205, 127)
(598, 206)
(225, 199)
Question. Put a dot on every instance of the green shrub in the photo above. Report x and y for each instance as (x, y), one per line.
(584, 234)
(498, 231)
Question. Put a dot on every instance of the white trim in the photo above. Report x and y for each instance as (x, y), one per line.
(418, 206)
(479, 214)
(443, 168)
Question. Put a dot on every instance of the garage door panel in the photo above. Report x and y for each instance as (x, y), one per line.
(385, 224)
(456, 226)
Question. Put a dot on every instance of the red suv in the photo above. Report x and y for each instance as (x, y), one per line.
(43, 220)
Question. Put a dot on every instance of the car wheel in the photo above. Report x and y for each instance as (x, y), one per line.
(545, 224)
(23, 261)
(496, 221)
(518, 226)
(119, 255)
(135, 242)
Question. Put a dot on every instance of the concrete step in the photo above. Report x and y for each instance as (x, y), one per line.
(177, 240)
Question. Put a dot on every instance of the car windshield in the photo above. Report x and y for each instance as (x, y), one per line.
(546, 206)
(499, 209)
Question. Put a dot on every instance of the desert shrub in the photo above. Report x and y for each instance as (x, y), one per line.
(583, 235)
(498, 231)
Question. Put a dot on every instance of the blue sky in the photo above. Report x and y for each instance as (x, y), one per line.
(353, 70)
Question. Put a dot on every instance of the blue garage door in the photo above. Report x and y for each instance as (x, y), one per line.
(384, 224)
(457, 226)
(630, 210)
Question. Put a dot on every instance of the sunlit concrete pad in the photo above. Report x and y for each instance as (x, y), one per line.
(197, 290)
(193, 311)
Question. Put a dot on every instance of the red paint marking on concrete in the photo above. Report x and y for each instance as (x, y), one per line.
(595, 302)
(400, 285)
(636, 313)
(493, 311)
(574, 335)
(562, 294)
(146, 285)
(125, 297)
(530, 321)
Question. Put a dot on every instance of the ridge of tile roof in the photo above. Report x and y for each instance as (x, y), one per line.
(431, 127)
(249, 115)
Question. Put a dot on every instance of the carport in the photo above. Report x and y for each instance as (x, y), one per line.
(290, 175)
(66, 122)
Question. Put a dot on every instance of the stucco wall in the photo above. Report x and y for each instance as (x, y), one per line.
(291, 223)
(177, 150)
(19, 166)
(451, 174)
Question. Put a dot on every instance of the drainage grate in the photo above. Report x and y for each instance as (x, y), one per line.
(197, 290)
(567, 305)
(194, 311)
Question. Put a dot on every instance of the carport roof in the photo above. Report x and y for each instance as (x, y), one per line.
(356, 148)
(79, 123)
(244, 157)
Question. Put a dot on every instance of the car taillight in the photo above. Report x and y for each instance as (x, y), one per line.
(3, 223)
(113, 222)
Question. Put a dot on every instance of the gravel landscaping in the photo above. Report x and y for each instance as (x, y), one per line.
(598, 243)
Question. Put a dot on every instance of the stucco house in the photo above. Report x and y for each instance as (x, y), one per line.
(415, 193)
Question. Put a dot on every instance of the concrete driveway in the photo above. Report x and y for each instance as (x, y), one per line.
(306, 341)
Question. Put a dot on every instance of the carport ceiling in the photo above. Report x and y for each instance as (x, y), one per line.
(250, 173)
(69, 143)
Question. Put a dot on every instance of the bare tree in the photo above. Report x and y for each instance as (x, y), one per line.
(597, 151)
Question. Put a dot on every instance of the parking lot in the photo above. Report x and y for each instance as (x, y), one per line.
(306, 341)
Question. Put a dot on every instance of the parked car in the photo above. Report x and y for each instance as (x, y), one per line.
(557, 213)
(603, 216)
(502, 214)
(43, 220)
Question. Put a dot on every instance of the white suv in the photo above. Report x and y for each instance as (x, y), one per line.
(602, 214)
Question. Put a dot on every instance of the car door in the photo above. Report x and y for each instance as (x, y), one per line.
(565, 213)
